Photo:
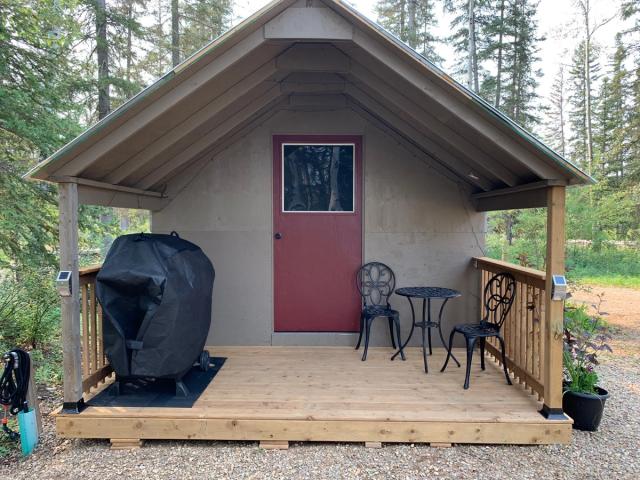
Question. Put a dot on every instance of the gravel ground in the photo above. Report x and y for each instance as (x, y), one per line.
(612, 452)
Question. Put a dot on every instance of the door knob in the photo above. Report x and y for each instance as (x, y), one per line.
(278, 236)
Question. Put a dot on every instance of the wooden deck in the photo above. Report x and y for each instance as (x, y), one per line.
(328, 394)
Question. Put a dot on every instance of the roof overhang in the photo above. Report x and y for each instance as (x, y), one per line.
(299, 54)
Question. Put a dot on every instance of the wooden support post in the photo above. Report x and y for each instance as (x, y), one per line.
(274, 444)
(373, 444)
(554, 309)
(126, 443)
(70, 306)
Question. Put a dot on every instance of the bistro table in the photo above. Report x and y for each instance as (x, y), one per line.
(427, 294)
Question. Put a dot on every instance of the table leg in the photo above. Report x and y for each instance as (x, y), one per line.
(429, 324)
(446, 345)
(424, 328)
(413, 326)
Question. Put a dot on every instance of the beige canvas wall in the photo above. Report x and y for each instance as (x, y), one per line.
(415, 219)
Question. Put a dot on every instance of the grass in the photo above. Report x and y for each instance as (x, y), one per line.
(608, 280)
(607, 267)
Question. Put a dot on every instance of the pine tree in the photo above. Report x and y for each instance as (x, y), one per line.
(611, 114)
(202, 21)
(102, 58)
(556, 115)
(469, 38)
(633, 129)
(591, 26)
(126, 36)
(520, 79)
(578, 111)
(159, 52)
(413, 22)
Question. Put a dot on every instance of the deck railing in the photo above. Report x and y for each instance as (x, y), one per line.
(524, 327)
(95, 367)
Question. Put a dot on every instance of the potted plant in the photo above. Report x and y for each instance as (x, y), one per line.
(584, 337)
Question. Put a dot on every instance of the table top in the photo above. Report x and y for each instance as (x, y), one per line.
(428, 292)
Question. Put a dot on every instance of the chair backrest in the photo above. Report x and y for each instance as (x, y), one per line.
(499, 294)
(376, 282)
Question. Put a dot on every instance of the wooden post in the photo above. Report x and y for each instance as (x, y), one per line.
(554, 309)
(70, 306)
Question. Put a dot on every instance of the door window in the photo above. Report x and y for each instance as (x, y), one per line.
(318, 178)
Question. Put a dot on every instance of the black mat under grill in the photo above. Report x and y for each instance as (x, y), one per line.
(159, 393)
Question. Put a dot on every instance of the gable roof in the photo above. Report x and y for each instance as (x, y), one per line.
(283, 54)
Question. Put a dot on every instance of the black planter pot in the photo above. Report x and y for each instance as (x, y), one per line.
(585, 408)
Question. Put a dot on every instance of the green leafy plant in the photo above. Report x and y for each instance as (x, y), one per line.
(585, 336)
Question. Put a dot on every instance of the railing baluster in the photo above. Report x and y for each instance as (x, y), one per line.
(523, 329)
(85, 330)
(529, 313)
(94, 330)
(95, 367)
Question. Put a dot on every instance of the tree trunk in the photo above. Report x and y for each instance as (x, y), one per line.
(561, 113)
(472, 61)
(175, 32)
(102, 52)
(587, 97)
(129, 53)
(403, 23)
(412, 37)
(499, 71)
(508, 227)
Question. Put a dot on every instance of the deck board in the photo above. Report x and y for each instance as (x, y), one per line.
(327, 393)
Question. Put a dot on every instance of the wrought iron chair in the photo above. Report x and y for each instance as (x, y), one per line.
(376, 283)
(498, 296)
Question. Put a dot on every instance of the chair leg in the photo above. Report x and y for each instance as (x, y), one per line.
(367, 332)
(482, 342)
(471, 343)
(504, 360)
(429, 338)
(446, 362)
(361, 331)
(424, 350)
(396, 320)
(393, 339)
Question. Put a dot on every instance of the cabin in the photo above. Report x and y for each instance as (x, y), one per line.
(413, 161)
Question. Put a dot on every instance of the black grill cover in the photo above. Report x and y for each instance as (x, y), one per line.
(155, 292)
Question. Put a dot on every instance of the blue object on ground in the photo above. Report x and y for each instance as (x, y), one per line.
(28, 431)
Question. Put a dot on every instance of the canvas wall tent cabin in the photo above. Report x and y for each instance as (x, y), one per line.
(299, 144)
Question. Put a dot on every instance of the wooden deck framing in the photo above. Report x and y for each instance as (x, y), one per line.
(279, 394)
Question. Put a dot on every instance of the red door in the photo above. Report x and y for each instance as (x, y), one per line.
(317, 232)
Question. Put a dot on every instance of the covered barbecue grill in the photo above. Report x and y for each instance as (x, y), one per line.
(155, 291)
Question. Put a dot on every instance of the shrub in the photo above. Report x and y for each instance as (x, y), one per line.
(584, 337)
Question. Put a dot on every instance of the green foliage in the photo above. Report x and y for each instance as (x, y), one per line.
(585, 336)
(608, 261)
(518, 236)
(29, 314)
(99, 226)
(37, 79)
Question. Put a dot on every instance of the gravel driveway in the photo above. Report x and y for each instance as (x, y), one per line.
(611, 453)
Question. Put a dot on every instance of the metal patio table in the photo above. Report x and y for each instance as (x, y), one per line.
(427, 294)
